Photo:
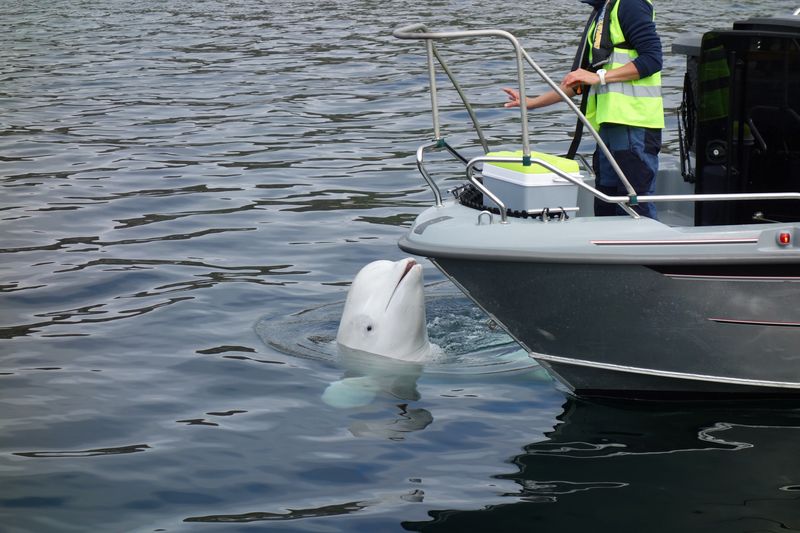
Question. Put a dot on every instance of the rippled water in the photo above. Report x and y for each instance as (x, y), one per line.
(179, 176)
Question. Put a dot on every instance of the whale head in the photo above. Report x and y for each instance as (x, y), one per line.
(384, 313)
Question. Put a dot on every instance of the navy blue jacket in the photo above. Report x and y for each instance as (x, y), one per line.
(636, 19)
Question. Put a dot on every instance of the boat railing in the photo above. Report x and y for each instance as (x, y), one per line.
(420, 32)
(621, 200)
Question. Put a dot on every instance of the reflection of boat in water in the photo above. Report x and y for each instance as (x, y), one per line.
(703, 301)
(631, 467)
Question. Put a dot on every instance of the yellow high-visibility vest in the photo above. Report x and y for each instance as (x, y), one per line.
(632, 103)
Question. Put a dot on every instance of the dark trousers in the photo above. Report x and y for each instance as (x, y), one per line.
(636, 152)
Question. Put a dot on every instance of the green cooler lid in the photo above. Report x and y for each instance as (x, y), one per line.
(562, 163)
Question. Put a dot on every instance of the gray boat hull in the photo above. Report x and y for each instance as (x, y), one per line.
(624, 307)
(642, 329)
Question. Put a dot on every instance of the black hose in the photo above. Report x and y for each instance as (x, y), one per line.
(580, 60)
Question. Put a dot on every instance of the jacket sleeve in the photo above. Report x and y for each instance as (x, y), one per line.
(636, 20)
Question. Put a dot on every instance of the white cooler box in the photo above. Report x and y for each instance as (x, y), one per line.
(534, 187)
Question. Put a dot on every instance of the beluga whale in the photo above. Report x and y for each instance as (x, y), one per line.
(384, 313)
(382, 339)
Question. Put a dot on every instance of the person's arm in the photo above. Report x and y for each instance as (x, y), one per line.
(636, 20)
(626, 72)
(543, 100)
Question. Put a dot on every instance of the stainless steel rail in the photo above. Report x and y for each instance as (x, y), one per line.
(621, 200)
(463, 96)
(421, 32)
(437, 194)
(435, 145)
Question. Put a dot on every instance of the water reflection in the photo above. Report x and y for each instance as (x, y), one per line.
(135, 448)
(291, 514)
(719, 468)
(413, 496)
(405, 420)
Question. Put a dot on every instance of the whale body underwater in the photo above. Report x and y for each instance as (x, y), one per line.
(384, 313)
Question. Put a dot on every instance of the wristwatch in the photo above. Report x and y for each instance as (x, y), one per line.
(602, 74)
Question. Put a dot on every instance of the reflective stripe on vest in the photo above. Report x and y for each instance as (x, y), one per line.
(634, 103)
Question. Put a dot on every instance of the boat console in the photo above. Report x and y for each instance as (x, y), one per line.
(741, 118)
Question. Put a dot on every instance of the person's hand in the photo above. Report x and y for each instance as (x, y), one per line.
(579, 77)
(513, 97)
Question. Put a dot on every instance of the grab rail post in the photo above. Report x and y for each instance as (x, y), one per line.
(485, 190)
(437, 193)
(434, 97)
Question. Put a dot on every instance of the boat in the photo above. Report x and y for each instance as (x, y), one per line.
(703, 302)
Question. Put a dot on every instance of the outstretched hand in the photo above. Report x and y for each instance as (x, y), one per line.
(542, 100)
(513, 97)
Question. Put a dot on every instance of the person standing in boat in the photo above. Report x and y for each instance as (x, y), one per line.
(621, 66)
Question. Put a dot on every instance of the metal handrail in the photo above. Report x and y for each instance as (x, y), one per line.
(576, 110)
(437, 193)
(420, 32)
(621, 200)
(435, 145)
(463, 96)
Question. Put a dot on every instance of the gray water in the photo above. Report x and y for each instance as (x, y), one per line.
(187, 190)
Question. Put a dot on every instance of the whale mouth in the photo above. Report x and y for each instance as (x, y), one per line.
(410, 264)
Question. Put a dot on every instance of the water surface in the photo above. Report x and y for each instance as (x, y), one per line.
(176, 174)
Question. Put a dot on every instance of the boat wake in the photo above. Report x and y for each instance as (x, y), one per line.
(466, 340)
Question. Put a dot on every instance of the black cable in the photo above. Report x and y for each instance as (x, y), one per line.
(578, 62)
